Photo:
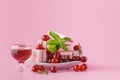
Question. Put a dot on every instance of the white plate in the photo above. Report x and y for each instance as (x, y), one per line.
(63, 65)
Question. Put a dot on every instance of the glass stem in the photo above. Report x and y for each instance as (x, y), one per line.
(21, 67)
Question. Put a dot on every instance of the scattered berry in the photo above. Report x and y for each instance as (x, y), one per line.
(83, 67)
(53, 69)
(35, 68)
(41, 68)
(76, 68)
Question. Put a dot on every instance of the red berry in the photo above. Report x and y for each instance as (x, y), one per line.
(83, 58)
(45, 37)
(74, 58)
(78, 58)
(41, 68)
(76, 47)
(35, 68)
(76, 68)
(54, 60)
(83, 67)
(53, 69)
(48, 52)
(39, 46)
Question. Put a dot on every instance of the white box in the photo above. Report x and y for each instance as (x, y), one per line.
(39, 56)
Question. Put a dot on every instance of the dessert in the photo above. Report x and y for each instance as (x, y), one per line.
(54, 49)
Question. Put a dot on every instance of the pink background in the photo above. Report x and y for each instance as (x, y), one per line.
(93, 23)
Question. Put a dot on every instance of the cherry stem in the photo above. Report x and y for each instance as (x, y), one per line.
(80, 51)
(69, 68)
(42, 72)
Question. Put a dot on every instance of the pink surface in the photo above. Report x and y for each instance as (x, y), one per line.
(93, 23)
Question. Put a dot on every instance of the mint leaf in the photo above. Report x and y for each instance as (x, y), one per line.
(52, 42)
(59, 40)
(52, 48)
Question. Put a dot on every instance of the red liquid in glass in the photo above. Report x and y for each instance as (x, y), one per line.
(21, 55)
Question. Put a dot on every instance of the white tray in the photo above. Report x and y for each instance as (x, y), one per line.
(63, 65)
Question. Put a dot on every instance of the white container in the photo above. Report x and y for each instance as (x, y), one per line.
(39, 56)
(76, 53)
(67, 53)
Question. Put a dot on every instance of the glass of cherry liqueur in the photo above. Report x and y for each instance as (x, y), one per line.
(21, 53)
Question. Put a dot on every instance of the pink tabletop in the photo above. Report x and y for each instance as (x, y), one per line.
(93, 23)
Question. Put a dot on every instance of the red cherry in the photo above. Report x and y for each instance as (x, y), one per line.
(40, 46)
(35, 68)
(78, 58)
(56, 56)
(74, 58)
(48, 52)
(54, 60)
(53, 69)
(41, 68)
(83, 67)
(83, 58)
(76, 68)
(76, 47)
(45, 37)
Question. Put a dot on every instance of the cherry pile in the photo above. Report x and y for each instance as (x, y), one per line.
(41, 69)
(82, 67)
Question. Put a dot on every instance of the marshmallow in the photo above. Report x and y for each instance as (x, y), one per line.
(67, 53)
(39, 56)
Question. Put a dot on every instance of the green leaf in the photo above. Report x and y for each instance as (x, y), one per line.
(62, 45)
(52, 48)
(60, 40)
(65, 39)
(52, 42)
(54, 35)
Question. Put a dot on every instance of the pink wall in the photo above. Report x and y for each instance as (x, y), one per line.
(93, 23)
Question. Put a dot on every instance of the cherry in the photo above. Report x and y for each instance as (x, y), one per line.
(76, 47)
(54, 56)
(54, 60)
(49, 60)
(50, 56)
(76, 68)
(78, 58)
(48, 52)
(40, 46)
(35, 68)
(41, 68)
(61, 60)
(45, 37)
(66, 60)
(53, 69)
(66, 57)
(74, 58)
(83, 67)
(83, 58)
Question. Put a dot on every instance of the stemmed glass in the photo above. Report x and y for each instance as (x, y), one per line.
(21, 53)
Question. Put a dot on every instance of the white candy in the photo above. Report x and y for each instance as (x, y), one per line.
(75, 53)
(39, 56)
(67, 53)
